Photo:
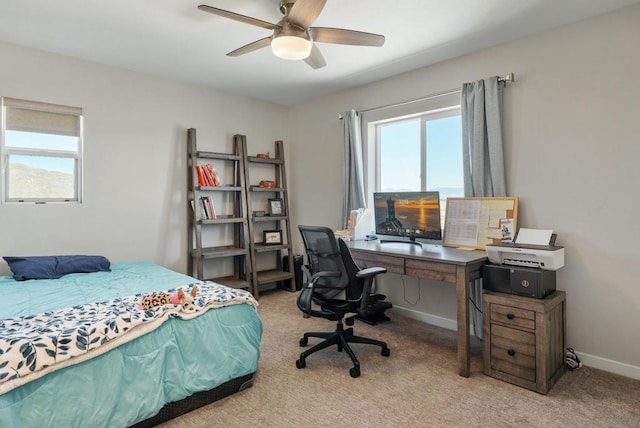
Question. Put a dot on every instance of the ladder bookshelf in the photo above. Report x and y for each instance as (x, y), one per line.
(221, 234)
(259, 199)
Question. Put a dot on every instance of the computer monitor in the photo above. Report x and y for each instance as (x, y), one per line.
(411, 215)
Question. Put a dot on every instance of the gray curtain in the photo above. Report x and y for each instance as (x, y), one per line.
(481, 104)
(354, 196)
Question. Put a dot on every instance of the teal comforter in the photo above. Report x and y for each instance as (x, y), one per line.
(132, 382)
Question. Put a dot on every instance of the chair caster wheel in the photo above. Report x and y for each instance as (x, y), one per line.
(386, 352)
(304, 341)
(300, 364)
(354, 371)
(349, 321)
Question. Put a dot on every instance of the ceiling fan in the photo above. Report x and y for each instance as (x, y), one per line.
(293, 37)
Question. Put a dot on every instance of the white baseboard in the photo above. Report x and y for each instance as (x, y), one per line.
(426, 318)
(611, 366)
(588, 360)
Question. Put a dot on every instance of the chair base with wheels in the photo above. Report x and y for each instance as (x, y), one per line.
(341, 338)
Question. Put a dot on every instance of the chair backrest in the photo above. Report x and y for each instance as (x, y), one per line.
(355, 287)
(323, 255)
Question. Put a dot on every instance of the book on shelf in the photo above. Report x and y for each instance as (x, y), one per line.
(203, 208)
(201, 179)
(212, 209)
(207, 175)
(208, 208)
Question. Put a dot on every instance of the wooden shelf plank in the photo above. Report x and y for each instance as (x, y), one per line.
(223, 251)
(222, 219)
(273, 275)
(255, 188)
(233, 282)
(215, 155)
(273, 161)
(271, 218)
(262, 248)
(220, 188)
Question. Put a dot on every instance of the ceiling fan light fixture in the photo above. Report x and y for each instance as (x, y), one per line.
(291, 47)
(294, 36)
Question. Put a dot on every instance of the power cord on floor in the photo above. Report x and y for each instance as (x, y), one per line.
(573, 362)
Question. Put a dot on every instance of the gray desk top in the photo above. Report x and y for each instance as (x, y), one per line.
(430, 252)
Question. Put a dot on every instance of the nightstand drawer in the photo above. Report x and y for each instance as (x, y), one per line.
(513, 352)
(513, 317)
(516, 370)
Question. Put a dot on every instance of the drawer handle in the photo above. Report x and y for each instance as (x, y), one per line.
(510, 316)
(511, 352)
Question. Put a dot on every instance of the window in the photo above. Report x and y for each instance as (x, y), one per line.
(416, 148)
(41, 152)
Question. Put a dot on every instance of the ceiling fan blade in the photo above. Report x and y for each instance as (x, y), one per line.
(238, 17)
(345, 37)
(305, 12)
(315, 59)
(251, 47)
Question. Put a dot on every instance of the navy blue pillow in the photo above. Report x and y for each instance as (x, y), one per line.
(53, 267)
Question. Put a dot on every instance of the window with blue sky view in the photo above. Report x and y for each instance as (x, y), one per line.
(411, 149)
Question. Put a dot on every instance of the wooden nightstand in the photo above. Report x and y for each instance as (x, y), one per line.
(524, 339)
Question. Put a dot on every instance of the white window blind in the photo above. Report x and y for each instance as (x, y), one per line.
(33, 116)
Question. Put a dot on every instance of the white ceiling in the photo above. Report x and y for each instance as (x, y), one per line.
(173, 39)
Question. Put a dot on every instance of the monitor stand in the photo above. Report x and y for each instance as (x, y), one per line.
(411, 241)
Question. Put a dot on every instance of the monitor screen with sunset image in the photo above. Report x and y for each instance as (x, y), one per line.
(414, 215)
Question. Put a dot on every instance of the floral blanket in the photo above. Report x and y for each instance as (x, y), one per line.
(33, 345)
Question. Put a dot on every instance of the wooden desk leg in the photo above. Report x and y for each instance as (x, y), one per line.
(462, 293)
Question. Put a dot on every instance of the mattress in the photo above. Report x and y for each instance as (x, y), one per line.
(133, 381)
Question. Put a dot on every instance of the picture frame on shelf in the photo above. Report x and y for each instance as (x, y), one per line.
(272, 237)
(276, 207)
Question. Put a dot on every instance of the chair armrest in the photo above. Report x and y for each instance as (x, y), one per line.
(311, 279)
(372, 271)
(306, 293)
(314, 279)
(306, 271)
(323, 274)
(368, 275)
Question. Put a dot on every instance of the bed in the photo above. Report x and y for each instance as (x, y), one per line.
(160, 368)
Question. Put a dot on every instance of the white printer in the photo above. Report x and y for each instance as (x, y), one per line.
(549, 257)
(526, 266)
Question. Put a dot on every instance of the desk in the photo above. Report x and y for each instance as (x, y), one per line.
(437, 263)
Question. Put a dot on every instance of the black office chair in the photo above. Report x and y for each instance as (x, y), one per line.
(334, 287)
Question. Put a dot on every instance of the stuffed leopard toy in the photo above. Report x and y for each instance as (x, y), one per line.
(160, 299)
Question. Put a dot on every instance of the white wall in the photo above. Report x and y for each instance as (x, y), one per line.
(135, 129)
(572, 127)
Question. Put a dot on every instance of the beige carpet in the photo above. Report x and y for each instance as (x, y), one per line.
(417, 386)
